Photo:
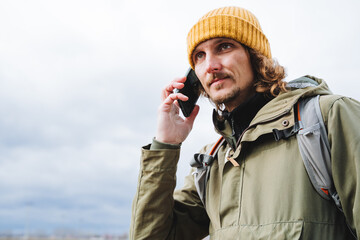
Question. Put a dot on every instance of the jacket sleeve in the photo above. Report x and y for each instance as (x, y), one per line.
(158, 212)
(343, 121)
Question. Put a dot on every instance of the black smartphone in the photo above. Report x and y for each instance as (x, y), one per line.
(191, 90)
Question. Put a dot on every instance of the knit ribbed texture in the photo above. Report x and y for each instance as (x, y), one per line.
(230, 22)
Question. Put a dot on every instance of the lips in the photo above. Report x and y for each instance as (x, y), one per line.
(216, 80)
(218, 77)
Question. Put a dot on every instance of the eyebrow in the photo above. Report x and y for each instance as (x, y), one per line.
(219, 40)
(216, 41)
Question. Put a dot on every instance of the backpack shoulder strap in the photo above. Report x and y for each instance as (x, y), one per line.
(206, 159)
(315, 148)
(215, 148)
(203, 162)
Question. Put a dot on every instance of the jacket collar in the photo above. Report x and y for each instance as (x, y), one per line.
(274, 109)
(232, 124)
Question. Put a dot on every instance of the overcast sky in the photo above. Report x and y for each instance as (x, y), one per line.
(80, 84)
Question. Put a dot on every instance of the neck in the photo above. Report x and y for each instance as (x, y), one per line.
(240, 100)
(232, 124)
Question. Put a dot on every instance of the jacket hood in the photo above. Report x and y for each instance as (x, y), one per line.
(302, 87)
(283, 104)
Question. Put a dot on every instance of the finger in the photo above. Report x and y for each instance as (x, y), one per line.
(170, 88)
(175, 96)
(177, 104)
(169, 102)
(176, 83)
(176, 108)
(179, 80)
(193, 115)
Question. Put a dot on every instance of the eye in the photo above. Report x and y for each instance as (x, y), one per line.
(225, 46)
(198, 56)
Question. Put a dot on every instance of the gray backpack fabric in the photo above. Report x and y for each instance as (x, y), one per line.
(315, 148)
(313, 145)
(203, 162)
(313, 142)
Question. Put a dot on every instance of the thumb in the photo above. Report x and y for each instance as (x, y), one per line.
(193, 115)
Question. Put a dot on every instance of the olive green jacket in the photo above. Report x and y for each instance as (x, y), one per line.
(269, 195)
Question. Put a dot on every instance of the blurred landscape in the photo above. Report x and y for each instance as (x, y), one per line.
(61, 237)
(80, 83)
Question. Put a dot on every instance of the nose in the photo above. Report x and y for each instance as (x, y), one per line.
(213, 63)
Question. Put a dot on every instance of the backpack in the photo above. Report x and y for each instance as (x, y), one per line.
(313, 144)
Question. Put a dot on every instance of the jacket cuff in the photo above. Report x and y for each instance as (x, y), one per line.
(157, 145)
(159, 160)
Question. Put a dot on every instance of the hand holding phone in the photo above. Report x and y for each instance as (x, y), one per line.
(191, 90)
(171, 127)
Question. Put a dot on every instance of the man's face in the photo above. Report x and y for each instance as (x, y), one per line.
(224, 69)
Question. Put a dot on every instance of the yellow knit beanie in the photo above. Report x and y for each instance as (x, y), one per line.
(230, 22)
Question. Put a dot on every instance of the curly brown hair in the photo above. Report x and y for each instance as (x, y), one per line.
(269, 74)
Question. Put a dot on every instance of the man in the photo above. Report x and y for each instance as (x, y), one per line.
(258, 187)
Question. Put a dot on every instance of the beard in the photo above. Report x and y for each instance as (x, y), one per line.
(233, 96)
(226, 98)
(229, 97)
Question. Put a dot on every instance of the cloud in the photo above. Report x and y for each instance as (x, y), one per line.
(80, 86)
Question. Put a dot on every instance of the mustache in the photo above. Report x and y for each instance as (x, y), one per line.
(216, 76)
